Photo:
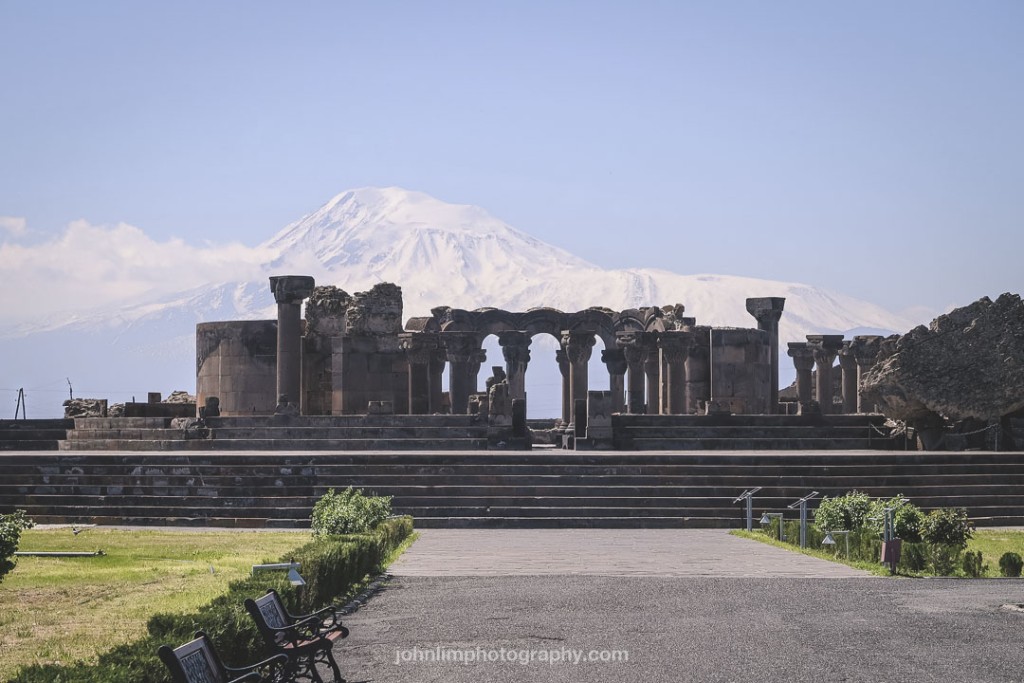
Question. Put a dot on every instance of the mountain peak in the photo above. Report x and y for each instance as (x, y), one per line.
(375, 226)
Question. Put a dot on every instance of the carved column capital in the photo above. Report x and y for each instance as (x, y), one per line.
(865, 349)
(578, 346)
(419, 347)
(847, 359)
(460, 347)
(827, 342)
(802, 355)
(633, 348)
(766, 310)
(615, 360)
(515, 347)
(291, 289)
(675, 345)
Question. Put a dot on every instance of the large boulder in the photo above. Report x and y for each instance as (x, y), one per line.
(967, 364)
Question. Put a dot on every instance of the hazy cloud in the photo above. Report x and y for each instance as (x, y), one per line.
(13, 225)
(90, 266)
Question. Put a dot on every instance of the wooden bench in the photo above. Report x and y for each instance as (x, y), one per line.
(306, 640)
(197, 662)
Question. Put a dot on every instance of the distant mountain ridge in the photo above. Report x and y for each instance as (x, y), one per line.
(440, 254)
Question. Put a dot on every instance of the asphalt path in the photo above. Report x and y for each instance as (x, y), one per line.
(599, 616)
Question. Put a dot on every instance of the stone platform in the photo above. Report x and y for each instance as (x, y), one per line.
(493, 488)
(443, 432)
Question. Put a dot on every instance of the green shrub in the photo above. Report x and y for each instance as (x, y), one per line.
(947, 526)
(914, 557)
(331, 565)
(1010, 564)
(11, 526)
(843, 513)
(349, 512)
(907, 518)
(946, 532)
(973, 564)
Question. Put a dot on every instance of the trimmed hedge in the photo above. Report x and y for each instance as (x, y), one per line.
(331, 565)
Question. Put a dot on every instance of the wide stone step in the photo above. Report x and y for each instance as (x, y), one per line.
(32, 435)
(435, 456)
(494, 488)
(625, 420)
(93, 423)
(751, 432)
(576, 523)
(343, 421)
(452, 444)
(29, 445)
(444, 481)
(175, 520)
(39, 434)
(758, 444)
(780, 496)
(348, 433)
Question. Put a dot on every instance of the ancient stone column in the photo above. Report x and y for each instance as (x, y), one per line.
(635, 355)
(767, 311)
(865, 352)
(515, 347)
(578, 346)
(478, 358)
(615, 361)
(698, 369)
(848, 366)
(461, 351)
(289, 291)
(803, 361)
(419, 349)
(438, 359)
(675, 347)
(652, 370)
(563, 367)
(825, 347)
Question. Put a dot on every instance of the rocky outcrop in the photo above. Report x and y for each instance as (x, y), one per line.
(967, 364)
(85, 407)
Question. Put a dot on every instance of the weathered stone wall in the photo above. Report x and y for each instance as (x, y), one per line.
(236, 361)
(741, 369)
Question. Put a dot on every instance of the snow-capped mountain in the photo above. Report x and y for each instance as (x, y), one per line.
(439, 253)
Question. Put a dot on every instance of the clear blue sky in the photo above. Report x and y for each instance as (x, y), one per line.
(874, 148)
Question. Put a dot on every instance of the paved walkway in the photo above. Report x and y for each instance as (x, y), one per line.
(605, 552)
(663, 606)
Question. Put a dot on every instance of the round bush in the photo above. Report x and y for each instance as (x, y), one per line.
(843, 513)
(906, 518)
(348, 512)
(11, 527)
(947, 526)
(1010, 564)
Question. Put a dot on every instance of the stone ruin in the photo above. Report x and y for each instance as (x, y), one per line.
(351, 356)
(177, 404)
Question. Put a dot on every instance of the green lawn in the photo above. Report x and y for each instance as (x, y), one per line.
(67, 609)
(991, 543)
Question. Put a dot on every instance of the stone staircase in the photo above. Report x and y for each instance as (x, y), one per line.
(493, 489)
(752, 432)
(33, 435)
(280, 433)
